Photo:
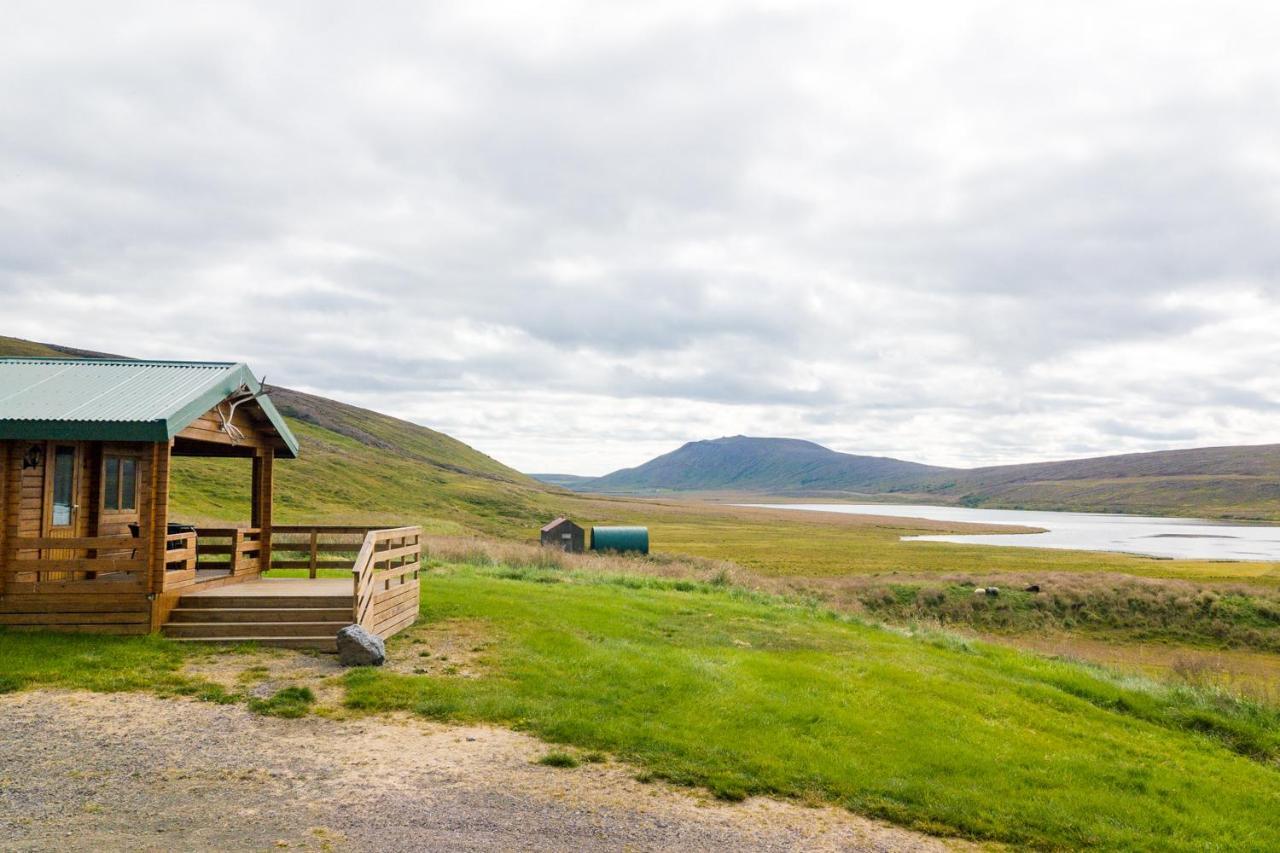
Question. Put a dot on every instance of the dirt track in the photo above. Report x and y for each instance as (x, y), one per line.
(84, 771)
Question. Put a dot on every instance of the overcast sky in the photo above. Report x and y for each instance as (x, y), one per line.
(576, 235)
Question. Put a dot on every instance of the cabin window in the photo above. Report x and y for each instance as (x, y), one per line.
(119, 483)
(64, 479)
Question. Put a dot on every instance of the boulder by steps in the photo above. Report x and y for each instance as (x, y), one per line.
(357, 647)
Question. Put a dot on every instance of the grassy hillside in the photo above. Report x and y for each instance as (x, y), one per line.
(1215, 482)
(17, 347)
(355, 465)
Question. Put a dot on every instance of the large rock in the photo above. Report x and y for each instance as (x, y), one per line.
(357, 647)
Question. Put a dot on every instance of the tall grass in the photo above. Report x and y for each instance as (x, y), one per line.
(1116, 606)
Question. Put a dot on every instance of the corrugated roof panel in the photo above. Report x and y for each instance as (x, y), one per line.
(106, 399)
(101, 390)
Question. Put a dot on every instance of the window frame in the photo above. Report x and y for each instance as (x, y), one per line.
(118, 460)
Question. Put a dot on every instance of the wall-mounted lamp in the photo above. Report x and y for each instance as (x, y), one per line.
(33, 457)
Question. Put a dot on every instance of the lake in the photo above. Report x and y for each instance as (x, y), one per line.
(1153, 536)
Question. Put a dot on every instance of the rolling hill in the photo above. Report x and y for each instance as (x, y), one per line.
(773, 465)
(1220, 482)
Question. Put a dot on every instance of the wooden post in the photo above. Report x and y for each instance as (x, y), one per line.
(233, 560)
(156, 521)
(261, 510)
(153, 527)
(315, 536)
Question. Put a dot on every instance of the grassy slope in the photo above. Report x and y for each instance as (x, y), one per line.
(422, 477)
(745, 696)
(27, 349)
(356, 465)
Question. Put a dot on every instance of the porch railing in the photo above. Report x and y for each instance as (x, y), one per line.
(234, 550)
(385, 576)
(384, 564)
(316, 547)
(110, 564)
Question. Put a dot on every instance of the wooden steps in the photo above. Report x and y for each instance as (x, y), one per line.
(285, 621)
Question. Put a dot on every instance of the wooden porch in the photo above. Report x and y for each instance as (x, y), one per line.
(347, 575)
(214, 588)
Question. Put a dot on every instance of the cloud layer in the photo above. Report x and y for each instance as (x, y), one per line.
(576, 236)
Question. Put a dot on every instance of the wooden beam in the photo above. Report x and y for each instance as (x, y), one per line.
(262, 496)
(157, 536)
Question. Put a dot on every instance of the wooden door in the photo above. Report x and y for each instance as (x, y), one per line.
(64, 466)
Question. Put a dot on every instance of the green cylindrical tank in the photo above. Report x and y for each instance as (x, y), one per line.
(620, 539)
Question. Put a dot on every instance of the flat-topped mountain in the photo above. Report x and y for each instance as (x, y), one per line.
(742, 463)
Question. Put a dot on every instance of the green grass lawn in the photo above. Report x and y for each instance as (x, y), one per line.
(101, 663)
(748, 695)
(743, 693)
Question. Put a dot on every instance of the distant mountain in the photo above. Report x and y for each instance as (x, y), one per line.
(564, 481)
(1214, 482)
(773, 465)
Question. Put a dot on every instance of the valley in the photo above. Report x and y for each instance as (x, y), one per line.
(781, 619)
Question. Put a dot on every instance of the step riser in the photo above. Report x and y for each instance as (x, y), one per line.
(252, 614)
(264, 602)
(323, 644)
(210, 631)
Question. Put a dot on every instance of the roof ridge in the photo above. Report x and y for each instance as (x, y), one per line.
(98, 362)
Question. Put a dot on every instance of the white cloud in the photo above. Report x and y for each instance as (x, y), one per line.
(578, 235)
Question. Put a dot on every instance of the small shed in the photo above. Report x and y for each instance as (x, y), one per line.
(565, 535)
(621, 539)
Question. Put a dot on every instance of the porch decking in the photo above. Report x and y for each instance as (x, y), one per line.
(380, 594)
(280, 588)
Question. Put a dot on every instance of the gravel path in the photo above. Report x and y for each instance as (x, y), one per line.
(82, 771)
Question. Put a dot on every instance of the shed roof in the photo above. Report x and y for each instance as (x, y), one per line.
(120, 400)
(554, 524)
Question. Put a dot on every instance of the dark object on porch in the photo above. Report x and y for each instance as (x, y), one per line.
(174, 527)
(357, 647)
(565, 535)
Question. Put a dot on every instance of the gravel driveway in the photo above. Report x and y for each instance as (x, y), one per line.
(84, 771)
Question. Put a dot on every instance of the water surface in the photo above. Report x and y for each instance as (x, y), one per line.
(1153, 536)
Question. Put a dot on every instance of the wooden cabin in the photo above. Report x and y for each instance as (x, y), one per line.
(564, 535)
(86, 542)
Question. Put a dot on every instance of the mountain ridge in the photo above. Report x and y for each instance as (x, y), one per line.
(1241, 481)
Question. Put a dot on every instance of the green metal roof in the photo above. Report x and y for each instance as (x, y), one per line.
(120, 400)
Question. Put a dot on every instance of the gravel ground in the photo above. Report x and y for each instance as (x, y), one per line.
(82, 771)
